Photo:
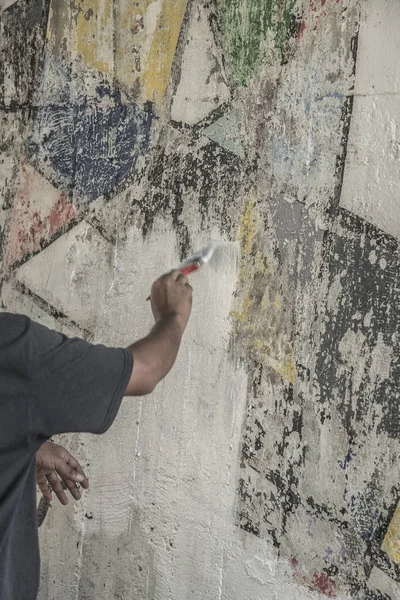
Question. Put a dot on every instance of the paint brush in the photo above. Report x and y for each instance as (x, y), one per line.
(195, 262)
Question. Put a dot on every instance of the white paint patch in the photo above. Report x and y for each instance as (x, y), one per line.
(71, 274)
(6, 3)
(378, 580)
(354, 355)
(368, 318)
(372, 257)
(164, 479)
(383, 263)
(204, 88)
(371, 186)
(150, 19)
(253, 571)
(381, 357)
(335, 293)
(379, 42)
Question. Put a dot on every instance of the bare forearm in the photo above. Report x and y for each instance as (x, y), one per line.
(155, 354)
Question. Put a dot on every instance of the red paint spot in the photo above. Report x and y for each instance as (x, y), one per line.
(38, 212)
(61, 213)
(314, 4)
(317, 6)
(323, 584)
(294, 562)
(301, 31)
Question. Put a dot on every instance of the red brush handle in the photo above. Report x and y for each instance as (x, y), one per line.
(189, 269)
(185, 271)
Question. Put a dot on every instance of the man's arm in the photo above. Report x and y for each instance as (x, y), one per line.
(154, 355)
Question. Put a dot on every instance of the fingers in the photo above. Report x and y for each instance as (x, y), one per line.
(170, 276)
(74, 471)
(179, 277)
(44, 488)
(175, 274)
(57, 487)
(73, 488)
(59, 463)
(71, 472)
(182, 279)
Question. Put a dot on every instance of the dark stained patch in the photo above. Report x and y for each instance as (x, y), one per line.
(356, 268)
(365, 264)
(23, 26)
(209, 175)
(42, 510)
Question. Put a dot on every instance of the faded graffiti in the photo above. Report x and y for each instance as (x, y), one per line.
(197, 120)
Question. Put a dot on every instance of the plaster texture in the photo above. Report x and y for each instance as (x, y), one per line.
(265, 466)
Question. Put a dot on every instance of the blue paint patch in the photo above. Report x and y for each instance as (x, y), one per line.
(349, 457)
(88, 150)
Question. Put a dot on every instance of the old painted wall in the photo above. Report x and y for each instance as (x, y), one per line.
(266, 465)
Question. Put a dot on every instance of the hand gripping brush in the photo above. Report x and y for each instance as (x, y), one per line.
(195, 262)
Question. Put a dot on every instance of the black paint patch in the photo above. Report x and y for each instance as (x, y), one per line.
(203, 175)
(366, 263)
(23, 27)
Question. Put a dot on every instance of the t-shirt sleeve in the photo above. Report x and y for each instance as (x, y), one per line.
(76, 386)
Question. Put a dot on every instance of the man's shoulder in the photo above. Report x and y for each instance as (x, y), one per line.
(13, 326)
(10, 320)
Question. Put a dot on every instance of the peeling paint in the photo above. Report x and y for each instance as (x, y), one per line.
(246, 27)
(260, 312)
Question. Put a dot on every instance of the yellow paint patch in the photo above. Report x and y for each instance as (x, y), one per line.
(49, 20)
(134, 41)
(391, 543)
(95, 30)
(163, 48)
(262, 326)
(60, 27)
(135, 24)
(247, 225)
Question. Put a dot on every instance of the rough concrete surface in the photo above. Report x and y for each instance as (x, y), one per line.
(265, 466)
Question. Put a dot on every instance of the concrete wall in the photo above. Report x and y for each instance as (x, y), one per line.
(266, 465)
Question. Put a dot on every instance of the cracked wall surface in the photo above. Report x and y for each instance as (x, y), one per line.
(132, 133)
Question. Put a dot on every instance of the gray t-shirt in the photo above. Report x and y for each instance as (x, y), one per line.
(49, 384)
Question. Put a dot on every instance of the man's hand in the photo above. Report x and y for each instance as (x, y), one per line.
(172, 295)
(52, 462)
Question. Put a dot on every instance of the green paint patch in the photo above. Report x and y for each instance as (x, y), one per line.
(226, 133)
(246, 25)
